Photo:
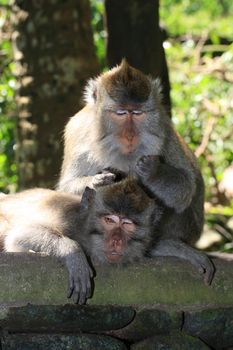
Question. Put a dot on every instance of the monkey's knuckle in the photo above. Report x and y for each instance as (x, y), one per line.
(90, 272)
(77, 288)
(82, 298)
(109, 176)
(76, 298)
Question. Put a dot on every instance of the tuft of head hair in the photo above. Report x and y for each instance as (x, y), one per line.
(125, 196)
(125, 84)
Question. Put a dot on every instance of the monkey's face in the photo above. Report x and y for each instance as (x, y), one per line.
(118, 239)
(126, 107)
(121, 221)
(117, 231)
(127, 120)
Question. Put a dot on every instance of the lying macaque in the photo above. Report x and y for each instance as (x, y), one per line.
(112, 225)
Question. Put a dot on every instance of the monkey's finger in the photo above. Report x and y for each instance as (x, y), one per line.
(207, 269)
(142, 166)
(71, 287)
(88, 289)
(70, 291)
(209, 274)
(109, 177)
(103, 179)
(119, 173)
(108, 170)
(85, 287)
(75, 297)
(91, 272)
(76, 293)
(82, 297)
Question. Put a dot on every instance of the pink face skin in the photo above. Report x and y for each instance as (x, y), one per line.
(128, 119)
(117, 231)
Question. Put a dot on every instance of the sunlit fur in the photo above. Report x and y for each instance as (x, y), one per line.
(92, 143)
(59, 224)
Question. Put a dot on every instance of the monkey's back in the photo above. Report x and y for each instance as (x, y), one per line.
(36, 206)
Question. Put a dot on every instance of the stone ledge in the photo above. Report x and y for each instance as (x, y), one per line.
(37, 279)
(162, 303)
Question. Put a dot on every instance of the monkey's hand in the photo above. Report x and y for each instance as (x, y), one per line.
(103, 179)
(80, 275)
(146, 166)
(119, 174)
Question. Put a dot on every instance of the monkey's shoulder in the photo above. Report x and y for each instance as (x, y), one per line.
(178, 150)
(79, 129)
(81, 118)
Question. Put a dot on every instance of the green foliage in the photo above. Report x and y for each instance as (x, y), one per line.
(202, 94)
(201, 77)
(183, 17)
(97, 9)
(8, 177)
(200, 59)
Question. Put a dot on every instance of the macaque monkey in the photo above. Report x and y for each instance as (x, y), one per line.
(125, 126)
(111, 226)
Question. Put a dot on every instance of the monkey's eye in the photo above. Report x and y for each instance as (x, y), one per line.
(111, 219)
(128, 224)
(108, 220)
(137, 112)
(126, 221)
(121, 112)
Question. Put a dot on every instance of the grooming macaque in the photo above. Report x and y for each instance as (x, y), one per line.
(125, 126)
(110, 226)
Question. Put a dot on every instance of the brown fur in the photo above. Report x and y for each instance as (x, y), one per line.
(126, 83)
(109, 134)
(72, 228)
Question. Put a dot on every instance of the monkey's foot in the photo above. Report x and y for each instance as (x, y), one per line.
(177, 248)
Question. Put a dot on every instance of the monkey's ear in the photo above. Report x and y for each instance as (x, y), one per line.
(87, 197)
(90, 91)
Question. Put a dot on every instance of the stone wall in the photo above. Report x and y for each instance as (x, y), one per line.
(159, 304)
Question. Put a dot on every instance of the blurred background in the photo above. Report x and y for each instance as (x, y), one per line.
(49, 49)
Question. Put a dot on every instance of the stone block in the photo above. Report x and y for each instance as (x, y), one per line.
(151, 321)
(213, 326)
(64, 318)
(61, 342)
(175, 341)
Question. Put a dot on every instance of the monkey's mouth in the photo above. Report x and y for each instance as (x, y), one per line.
(113, 256)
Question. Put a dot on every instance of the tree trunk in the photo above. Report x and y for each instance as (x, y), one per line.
(55, 55)
(134, 33)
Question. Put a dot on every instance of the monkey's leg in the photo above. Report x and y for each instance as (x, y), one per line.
(177, 248)
(43, 239)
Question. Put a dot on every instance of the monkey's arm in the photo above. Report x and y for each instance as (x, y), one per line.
(177, 248)
(43, 239)
(77, 185)
(79, 168)
(175, 187)
(176, 178)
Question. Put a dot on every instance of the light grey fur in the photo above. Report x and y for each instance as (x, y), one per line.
(70, 228)
(175, 178)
